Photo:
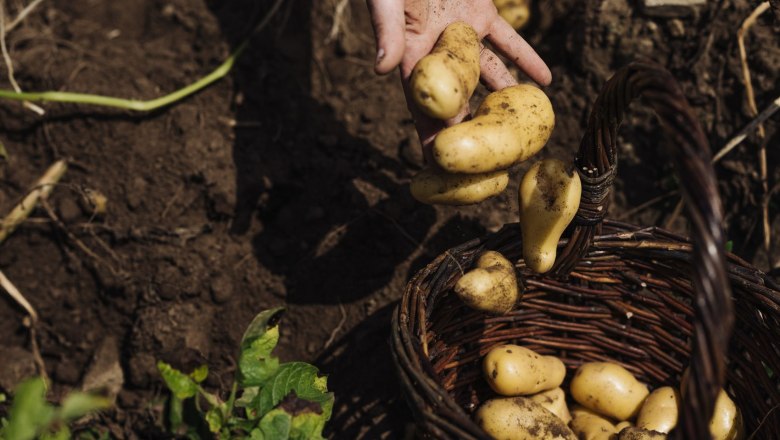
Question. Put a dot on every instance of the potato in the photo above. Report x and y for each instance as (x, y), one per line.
(555, 402)
(608, 389)
(588, 425)
(491, 287)
(660, 410)
(549, 199)
(623, 425)
(509, 126)
(511, 370)
(518, 418)
(436, 187)
(515, 12)
(726, 423)
(442, 82)
(634, 433)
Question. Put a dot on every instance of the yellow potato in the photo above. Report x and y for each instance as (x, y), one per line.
(660, 410)
(511, 370)
(634, 433)
(554, 401)
(436, 187)
(549, 199)
(518, 418)
(623, 425)
(726, 423)
(515, 12)
(443, 81)
(588, 425)
(608, 389)
(509, 126)
(491, 287)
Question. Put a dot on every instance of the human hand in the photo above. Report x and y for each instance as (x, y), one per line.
(406, 30)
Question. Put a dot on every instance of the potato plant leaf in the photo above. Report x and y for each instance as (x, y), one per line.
(179, 383)
(77, 405)
(275, 425)
(301, 378)
(200, 374)
(255, 362)
(29, 413)
(214, 419)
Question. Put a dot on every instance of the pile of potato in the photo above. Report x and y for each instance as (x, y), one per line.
(610, 403)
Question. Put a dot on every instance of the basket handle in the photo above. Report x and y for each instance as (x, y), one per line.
(687, 145)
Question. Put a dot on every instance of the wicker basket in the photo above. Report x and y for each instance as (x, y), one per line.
(643, 297)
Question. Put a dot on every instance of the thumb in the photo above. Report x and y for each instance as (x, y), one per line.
(387, 17)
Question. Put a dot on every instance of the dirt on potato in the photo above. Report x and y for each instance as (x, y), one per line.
(286, 183)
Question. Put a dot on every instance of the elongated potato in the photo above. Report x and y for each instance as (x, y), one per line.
(442, 82)
(726, 423)
(660, 410)
(589, 425)
(509, 126)
(623, 425)
(436, 187)
(512, 370)
(515, 12)
(554, 401)
(549, 199)
(608, 389)
(490, 287)
(518, 418)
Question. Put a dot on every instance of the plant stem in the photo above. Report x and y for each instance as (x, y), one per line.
(130, 104)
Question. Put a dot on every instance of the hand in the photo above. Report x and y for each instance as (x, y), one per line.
(406, 30)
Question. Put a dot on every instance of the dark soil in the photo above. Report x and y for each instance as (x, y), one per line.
(286, 183)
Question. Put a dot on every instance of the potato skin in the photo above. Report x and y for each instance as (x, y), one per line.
(512, 370)
(442, 82)
(726, 423)
(608, 389)
(509, 126)
(554, 401)
(588, 425)
(490, 287)
(660, 410)
(515, 12)
(549, 195)
(518, 418)
(435, 187)
(635, 433)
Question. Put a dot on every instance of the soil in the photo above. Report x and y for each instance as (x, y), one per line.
(286, 184)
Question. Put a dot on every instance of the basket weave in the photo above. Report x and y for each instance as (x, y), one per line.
(646, 298)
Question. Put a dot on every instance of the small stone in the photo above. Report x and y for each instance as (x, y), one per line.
(105, 373)
(221, 289)
(671, 8)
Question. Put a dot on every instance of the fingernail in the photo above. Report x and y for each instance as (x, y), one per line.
(379, 55)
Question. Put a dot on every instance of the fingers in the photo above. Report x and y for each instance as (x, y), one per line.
(387, 17)
(493, 71)
(514, 47)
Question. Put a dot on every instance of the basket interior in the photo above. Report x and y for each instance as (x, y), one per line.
(625, 302)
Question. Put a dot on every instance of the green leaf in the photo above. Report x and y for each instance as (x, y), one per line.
(300, 377)
(30, 412)
(214, 419)
(77, 405)
(62, 434)
(3, 152)
(307, 426)
(275, 425)
(2, 398)
(179, 383)
(175, 413)
(255, 362)
(200, 374)
(729, 246)
(247, 396)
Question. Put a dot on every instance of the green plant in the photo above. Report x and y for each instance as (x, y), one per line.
(32, 417)
(268, 400)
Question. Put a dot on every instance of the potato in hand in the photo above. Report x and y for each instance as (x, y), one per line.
(510, 126)
(442, 82)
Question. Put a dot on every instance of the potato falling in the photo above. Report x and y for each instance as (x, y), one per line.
(436, 187)
(491, 287)
(549, 199)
